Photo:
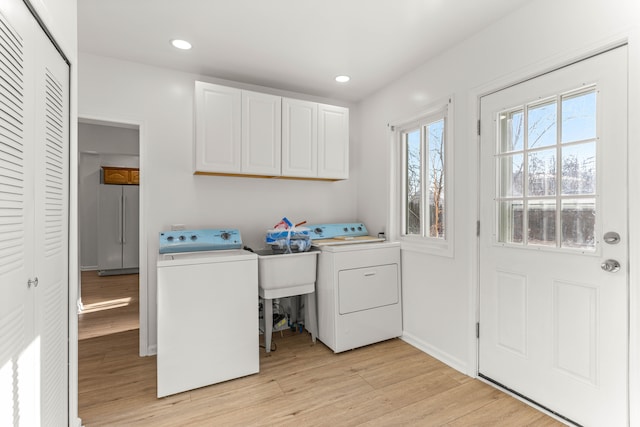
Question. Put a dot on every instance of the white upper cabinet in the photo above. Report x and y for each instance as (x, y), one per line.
(333, 142)
(217, 128)
(299, 138)
(239, 132)
(261, 133)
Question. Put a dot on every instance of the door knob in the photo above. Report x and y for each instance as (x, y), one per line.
(610, 266)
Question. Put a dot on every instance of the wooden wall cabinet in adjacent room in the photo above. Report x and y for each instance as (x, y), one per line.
(120, 176)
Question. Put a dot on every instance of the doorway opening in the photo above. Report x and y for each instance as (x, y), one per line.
(108, 294)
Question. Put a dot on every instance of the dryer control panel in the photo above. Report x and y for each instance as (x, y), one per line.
(208, 239)
(330, 231)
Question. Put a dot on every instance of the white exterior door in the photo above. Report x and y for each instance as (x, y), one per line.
(553, 196)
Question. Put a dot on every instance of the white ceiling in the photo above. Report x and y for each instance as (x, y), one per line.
(294, 45)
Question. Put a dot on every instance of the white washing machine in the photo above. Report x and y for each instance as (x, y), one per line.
(207, 310)
(358, 289)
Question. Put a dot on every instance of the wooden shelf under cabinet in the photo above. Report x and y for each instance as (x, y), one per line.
(121, 176)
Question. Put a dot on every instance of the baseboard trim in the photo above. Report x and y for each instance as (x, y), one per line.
(442, 356)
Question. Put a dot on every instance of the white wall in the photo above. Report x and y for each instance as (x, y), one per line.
(439, 293)
(161, 102)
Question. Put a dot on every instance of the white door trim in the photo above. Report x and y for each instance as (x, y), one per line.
(632, 40)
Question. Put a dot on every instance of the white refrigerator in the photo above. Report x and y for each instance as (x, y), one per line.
(118, 216)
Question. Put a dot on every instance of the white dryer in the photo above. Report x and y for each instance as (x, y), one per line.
(358, 289)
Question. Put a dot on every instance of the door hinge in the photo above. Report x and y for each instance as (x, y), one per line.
(478, 228)
(478, 330)
(478, 127)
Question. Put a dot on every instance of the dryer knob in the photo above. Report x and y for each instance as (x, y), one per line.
(181, 238)
(170, 239)
(225, 236)
(318, 230)
(194, 237)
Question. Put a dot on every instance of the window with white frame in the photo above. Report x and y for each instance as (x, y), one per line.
(424, 178)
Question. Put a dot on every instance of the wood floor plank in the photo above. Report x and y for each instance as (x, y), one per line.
(299, 384)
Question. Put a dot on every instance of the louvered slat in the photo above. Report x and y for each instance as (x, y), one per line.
(12, 172)
(54, 164)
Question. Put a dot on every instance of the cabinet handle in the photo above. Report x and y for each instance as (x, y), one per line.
(369, 274)
(32, 282)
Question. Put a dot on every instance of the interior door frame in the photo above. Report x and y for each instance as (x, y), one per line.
(632, 40)
(142, 232)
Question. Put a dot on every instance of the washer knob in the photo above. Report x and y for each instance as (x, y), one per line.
(181, 238)
(225, 235)
(194, 237)
(170, 239)
(318, 230)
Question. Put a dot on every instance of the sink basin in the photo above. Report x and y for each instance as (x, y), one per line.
(283, 275)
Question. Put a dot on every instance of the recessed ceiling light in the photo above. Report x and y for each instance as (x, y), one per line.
(181, 44)
(343, 79)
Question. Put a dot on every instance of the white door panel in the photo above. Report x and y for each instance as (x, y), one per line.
(553, 323)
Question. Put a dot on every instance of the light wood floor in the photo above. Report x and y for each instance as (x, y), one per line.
(110, 304)
(300, 384)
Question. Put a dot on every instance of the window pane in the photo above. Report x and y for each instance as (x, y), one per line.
(435, 135)
(511, 175)
(510, 226)
(512, 131)
(579, 169)
(414, 182)
(542, 173)
(579, 117)
(542, 125)
(542, 222)
(578, 223)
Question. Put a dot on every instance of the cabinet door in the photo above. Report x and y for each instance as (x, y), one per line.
(217, 128)
(333, 142)
(110, 223)
(130, 228)
(299, 138)
(115, 176)
(261, 133)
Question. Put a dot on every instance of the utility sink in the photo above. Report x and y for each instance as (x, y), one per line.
(283, 275)
(287, 275)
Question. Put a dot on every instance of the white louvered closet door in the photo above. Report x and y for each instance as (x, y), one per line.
(34, 135)
(52, 230)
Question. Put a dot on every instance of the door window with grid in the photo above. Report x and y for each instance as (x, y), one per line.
(546, 172)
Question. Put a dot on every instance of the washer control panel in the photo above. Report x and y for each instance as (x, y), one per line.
(208, 239)
(330, 231)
